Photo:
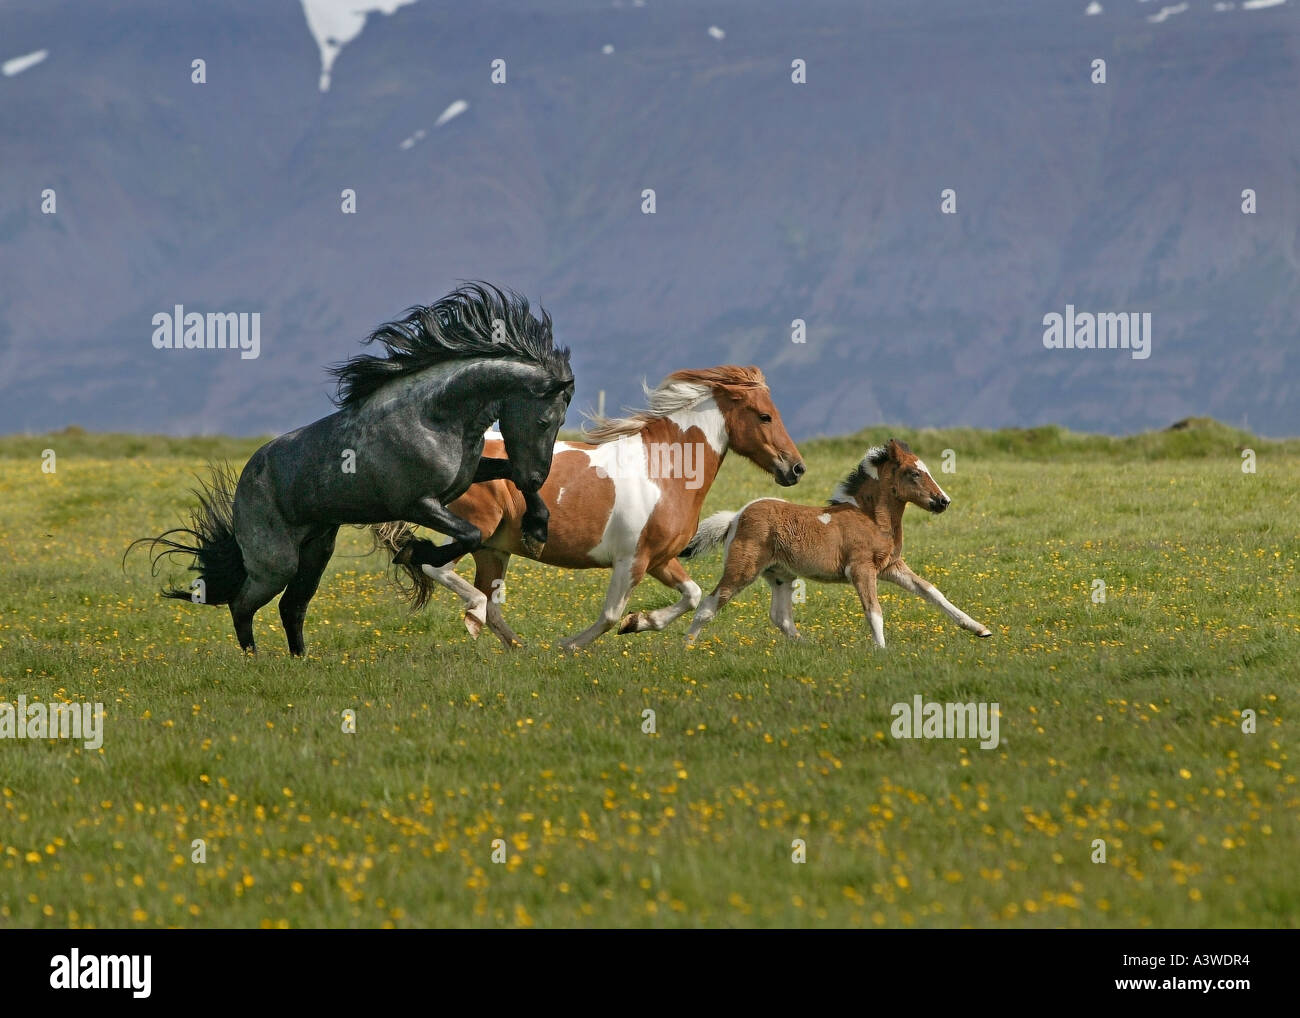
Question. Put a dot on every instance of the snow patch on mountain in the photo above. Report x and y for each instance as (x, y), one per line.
(335, 23)
(19, 64)
(454, 110)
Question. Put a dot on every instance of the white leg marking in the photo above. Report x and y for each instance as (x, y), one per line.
(878, 628)
(909, 581)
(476, 614)
(663, 617)
(782, 611)
(620, 588)
(703, 616)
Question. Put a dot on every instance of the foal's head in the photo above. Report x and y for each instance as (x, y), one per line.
(895, 470)
(754, 426)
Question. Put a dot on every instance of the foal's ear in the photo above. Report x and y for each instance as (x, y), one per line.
(896, 448)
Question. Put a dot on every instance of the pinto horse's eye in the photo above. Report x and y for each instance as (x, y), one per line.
(765, 418)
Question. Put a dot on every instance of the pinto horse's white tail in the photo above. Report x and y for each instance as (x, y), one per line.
(711, 533)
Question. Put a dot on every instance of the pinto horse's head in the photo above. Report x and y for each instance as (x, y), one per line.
(754, 426)
(907, 478)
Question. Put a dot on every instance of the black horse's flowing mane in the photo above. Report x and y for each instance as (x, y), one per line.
(461, 325)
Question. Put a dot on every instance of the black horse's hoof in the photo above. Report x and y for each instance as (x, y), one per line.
(533, 535)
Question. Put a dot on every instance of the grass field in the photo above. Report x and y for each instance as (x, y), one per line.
(1119, 720)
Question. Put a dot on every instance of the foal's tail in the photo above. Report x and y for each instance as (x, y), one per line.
(217, 558)
(711, 533)
(396, 537)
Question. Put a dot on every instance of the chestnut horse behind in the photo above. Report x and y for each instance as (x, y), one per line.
(629, 500)
(858, 538)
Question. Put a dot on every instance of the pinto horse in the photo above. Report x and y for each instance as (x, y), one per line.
(856, 539)
(629, 500)
(410, 426)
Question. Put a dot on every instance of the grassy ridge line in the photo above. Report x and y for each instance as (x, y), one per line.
(1196, 438)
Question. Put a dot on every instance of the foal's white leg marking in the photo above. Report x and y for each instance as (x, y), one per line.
(877, 627)
(620, 587)
(447, 576)
(870, 605)
(909, 581)
(703, 616)
(782, 610)
(663, 617)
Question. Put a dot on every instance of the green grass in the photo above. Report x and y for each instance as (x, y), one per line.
(1119, 721)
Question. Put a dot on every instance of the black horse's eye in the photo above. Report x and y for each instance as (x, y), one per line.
(765, 418)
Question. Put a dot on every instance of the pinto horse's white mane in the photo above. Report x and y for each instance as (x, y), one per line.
(668, 398)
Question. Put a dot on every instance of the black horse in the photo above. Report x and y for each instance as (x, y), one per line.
(406, 441)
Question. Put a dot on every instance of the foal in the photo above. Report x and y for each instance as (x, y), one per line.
(858, 538)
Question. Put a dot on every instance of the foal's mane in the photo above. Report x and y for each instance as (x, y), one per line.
(866, 472)
(679, 391)
(458, 327)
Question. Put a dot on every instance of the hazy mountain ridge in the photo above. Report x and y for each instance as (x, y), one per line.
(775, 202)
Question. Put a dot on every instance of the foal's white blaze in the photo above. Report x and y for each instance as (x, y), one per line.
(706, 416)
(920, 463)
(635, 497)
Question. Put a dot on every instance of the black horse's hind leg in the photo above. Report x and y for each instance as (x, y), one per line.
(429, 512)
(313, 556)
(535, 523)
(252, 595)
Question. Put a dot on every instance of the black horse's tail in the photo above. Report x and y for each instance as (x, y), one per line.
(216, 554)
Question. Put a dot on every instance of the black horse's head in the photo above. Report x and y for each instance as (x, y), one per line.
(530, 381)
(529, 421)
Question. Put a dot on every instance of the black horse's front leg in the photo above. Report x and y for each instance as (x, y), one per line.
(535, 523)
(429, 512)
